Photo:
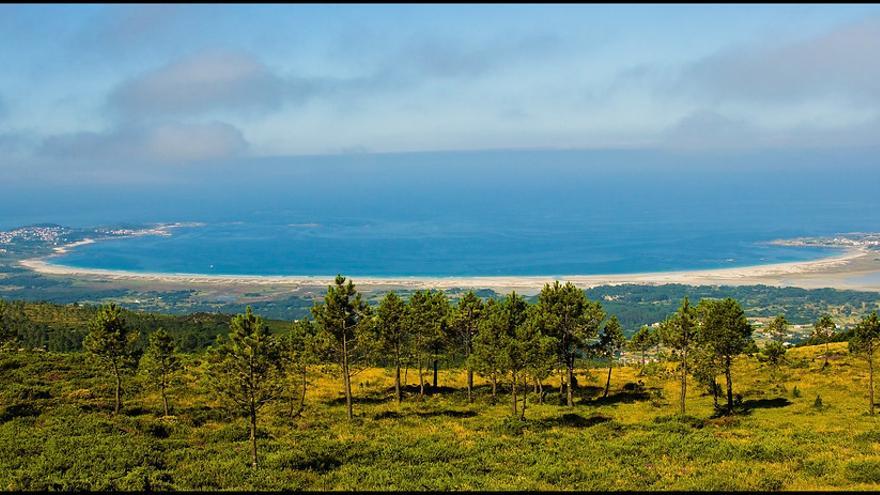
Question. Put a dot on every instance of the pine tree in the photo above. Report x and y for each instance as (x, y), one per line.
(531, 355)
(727, 333)
(300, 350)
(160, 362)
(564, 313)
(642, 341)
(427, 314)
(679, 333)
(864, 342)
(465, 325)
(823, 330)
(778, 328)
(344, 321)
(705, 367)
(247, 370)
(393, 335)
(773, 353)
(611, 342)
(513, 354)
(112, 342)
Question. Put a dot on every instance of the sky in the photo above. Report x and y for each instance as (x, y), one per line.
(126, 93)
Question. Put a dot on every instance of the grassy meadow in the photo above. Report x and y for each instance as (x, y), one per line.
(57, 431)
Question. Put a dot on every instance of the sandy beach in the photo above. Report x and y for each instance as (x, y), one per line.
(854, 269)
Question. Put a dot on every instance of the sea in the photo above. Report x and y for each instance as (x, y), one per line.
(485, 213)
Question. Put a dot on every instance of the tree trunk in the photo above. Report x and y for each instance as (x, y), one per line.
(164, 397)
(470, 384)
(513, 391)
(715, 389)
(436, 364)
(871, 377)
(253, 418)
(729, 385)
(302, 397)
(525, 397)
(608, 383)
(570, 385)
(118, 401)
(494, 385)
(397, 390)
(561, 384)
(346, 377)
(421, 381)
(684, 375)
(540, 391)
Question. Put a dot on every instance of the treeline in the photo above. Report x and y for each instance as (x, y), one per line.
(506, 341)
(57, 328)
(636, 305)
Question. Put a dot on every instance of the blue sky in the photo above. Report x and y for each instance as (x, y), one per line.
(111, 91)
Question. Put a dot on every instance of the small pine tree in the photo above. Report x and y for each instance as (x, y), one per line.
(300, 351)
(726, 333)
(464, 324)
(343, 321)
(864, 342)
(642, 341)
(611, 342)
(247, 369)
(773, 354)
(485, 358)
(778, 328)
(679, 333)
(111, 341)
(160, 362)
(823, 330)
(392, 335)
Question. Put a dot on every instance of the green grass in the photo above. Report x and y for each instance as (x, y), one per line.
(57, 432)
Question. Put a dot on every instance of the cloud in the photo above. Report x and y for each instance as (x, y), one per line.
(440, 58)
(841, 63)
(122, 27)
(707, 129)
(201, 83)
(167, 143)
(218, 81)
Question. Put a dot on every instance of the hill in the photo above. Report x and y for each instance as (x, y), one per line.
(56, 432)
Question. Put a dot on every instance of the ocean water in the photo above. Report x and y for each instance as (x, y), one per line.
(429, 249)
(470, 213)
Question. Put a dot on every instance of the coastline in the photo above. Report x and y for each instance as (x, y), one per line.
(855, 268)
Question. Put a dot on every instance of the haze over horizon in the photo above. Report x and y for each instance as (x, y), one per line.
(138, 93)
(129, 113)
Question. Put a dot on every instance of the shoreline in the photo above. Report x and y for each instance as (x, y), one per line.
(842, 271)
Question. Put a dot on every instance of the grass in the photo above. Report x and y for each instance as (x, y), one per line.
(56, 432)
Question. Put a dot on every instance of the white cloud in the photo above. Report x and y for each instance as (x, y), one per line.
(841, 63)
(167, 143)
(199, 84)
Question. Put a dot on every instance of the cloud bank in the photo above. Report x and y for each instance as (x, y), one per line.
(168, 143)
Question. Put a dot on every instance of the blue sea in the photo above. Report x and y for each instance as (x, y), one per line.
(471, 213)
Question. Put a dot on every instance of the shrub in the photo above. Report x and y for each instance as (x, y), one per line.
(510, 425)
(866, 471)
(18, 411)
